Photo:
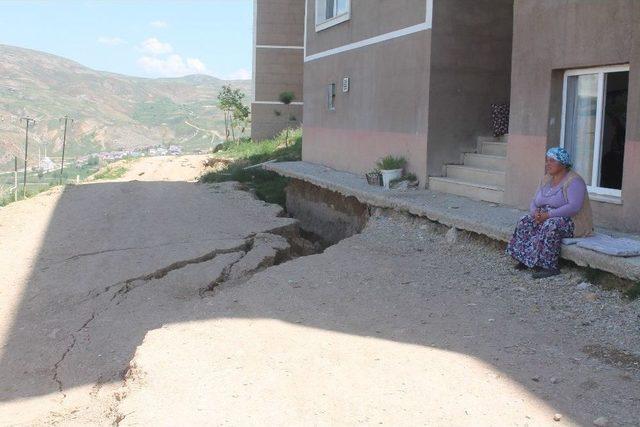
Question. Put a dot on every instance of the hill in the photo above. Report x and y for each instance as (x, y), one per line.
(110, 111)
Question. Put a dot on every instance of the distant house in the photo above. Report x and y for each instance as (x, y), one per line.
(429, 80)
(46, 165)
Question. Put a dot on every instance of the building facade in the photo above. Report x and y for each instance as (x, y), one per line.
(277, 65)
(576, 83)
(419, 79)
(410, 78)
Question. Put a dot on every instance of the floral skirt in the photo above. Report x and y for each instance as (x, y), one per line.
(538, 245)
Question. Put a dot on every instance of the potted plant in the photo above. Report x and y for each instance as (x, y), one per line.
(391, 168)
(374, 178)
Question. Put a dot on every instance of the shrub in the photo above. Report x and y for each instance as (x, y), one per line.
(286, 97)
(235, 160)
(391, 162)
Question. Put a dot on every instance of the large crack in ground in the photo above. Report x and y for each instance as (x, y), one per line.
(162, 272)
(256, 252)
(128, 285)
(56, 366)
(223, 277)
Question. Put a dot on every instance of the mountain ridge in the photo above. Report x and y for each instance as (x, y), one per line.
(110, 110)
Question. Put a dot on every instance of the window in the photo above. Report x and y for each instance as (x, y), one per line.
(331, 97)
(331, 12)
(594, 124)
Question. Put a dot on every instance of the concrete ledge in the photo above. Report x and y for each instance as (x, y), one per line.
(489, 219)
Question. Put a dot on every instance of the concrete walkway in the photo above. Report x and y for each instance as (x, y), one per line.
(489, 219)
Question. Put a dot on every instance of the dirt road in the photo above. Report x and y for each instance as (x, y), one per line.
(155, 301)
(168, 168)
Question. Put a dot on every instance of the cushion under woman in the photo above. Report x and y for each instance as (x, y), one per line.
(559, 210)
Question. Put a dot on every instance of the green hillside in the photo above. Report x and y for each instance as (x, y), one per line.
(111, 111)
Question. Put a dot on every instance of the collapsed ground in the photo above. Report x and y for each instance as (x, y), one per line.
(156, 301)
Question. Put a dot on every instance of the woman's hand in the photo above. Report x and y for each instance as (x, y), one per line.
(541, 217)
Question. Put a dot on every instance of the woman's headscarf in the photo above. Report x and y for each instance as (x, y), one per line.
(561, 155)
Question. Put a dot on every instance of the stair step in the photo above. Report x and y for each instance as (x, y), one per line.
(488, 193)
(484, 161)
(477, 175)
(482, 139)
(494, 148)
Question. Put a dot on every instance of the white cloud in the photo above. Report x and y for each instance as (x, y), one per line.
(154, 46)
(159, 24)
(241, 74)
(171, 66)
(196, 65)
(111, 41)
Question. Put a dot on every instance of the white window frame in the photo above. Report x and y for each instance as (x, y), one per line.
(597, 148)
(337, 19)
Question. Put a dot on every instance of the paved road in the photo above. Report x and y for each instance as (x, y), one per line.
(70, 256)
(158, 302)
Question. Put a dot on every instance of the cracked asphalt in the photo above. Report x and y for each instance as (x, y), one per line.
(76, 262)
(148, 301)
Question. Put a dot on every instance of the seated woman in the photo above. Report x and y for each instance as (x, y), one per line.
(560, 209)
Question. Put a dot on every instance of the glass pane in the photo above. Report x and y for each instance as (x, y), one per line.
(320, 11)
(342, 6)
(614, 129)
(331, 96)
(330, 9)
(580, 124)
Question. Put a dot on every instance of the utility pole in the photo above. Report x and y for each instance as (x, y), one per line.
(29, 121)
(15, 178)
(64, 142)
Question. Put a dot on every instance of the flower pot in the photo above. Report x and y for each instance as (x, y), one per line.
(390, 175)
(374, 178)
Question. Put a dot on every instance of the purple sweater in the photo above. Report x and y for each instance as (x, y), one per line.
(553, 197)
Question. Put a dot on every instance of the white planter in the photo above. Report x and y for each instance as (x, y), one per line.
(390, 175)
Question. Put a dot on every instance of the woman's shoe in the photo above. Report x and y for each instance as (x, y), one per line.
(546, 272)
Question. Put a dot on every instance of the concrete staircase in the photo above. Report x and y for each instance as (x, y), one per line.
(482, 174)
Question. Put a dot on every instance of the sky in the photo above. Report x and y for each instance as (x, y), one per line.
(145, 38)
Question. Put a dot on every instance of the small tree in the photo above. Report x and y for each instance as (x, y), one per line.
(287, 98)
(241, 117)
(230, 103)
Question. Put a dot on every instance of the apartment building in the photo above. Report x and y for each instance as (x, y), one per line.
(277, 65)
(419, 78)
(413, 78)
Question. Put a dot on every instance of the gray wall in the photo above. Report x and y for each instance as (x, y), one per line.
(278, 70)
(470, 70)
(278, 23)
(269, 124)
(369, 18)
(385, 111)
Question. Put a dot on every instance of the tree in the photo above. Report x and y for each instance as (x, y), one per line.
(241, 118)
(287, 98)
(235, 112)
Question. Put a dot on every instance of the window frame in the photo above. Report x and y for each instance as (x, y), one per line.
(601, 72)
(331, 97)
(337, 19)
